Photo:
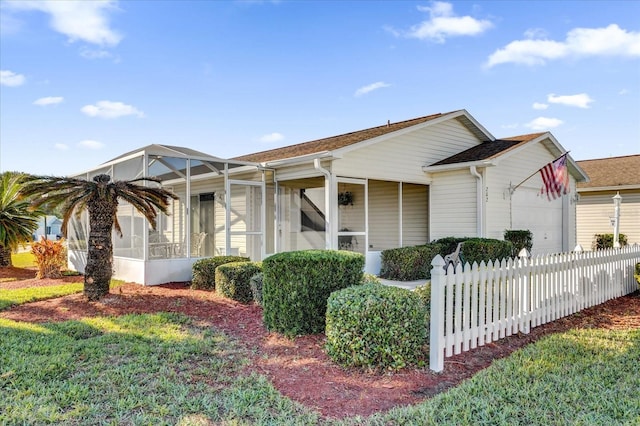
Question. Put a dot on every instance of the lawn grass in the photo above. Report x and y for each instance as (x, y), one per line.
(18, 296)
(23, 259)
(581, 377)
(166, 369)
(159, 369)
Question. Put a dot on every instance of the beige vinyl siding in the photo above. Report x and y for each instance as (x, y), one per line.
(453, 205)
(595, 209)
(384, 215)
(415, 214)
(503, 214)
(402, 157)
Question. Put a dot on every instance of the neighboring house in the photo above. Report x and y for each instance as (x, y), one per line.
(395, 185)
(50, 226)
(607, 177)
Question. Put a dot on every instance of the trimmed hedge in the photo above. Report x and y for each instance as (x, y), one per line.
(449, 244)
(233, 280)
(408, 263)
(637, 274)
(375, 326)
(297, 284)
(424, 293)
(520, 239)
(486, 249)
(204, 271)
(605, 241)
(414, 263)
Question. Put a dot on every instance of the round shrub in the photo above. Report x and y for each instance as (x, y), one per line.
(375, 326)
(233, 280)
(297, 284)
(204, 271)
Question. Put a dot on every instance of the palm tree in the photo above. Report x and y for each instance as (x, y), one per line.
(100, 197)
(17, 222)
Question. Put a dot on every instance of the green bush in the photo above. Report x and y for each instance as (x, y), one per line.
(233, 280)
(409, 263)
(297, 284)
(256, 287)
(204, 271)
(637, 274)
(424, 293)
(486, 249)
(449, 244)
(605, 241)
(375, 326)
(520, 239)
(370, 279)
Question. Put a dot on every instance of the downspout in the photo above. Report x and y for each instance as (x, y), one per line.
(328, 242)
(479, 204)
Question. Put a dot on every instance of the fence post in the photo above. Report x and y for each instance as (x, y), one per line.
(436, 337)
(525, 293)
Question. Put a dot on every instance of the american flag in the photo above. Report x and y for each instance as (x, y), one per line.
(555, 177)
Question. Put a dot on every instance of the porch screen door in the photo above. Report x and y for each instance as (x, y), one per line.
(246, 216)
(352, 215)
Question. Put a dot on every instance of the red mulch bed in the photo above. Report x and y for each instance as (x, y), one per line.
(299, 368)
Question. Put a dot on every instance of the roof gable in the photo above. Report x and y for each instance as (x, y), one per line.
(611, 172)
(346, 140)
(488, 150)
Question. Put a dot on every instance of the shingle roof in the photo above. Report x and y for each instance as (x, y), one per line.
(614, 171)
(333, 142)
(488, 150)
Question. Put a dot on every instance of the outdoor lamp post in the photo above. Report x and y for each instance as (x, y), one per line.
(616, 224)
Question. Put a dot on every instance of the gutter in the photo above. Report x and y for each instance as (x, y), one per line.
(479, 201)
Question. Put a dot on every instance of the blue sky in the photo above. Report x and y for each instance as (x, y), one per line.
(83, 82)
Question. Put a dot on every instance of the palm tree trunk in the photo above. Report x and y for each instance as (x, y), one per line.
(99, 269)
(5, 257)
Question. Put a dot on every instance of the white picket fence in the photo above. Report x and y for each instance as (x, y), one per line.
(478, 304)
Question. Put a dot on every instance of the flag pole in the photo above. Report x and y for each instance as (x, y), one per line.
(512, 189)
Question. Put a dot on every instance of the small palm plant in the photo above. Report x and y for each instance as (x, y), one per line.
(100, 197)
(17, 221)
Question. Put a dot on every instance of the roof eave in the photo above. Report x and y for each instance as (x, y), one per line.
(302, 159)
(458, 166)
(609, 188)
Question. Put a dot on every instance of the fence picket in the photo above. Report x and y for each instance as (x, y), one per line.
(476, 304)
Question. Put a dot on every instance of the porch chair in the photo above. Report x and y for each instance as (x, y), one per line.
(453, 258)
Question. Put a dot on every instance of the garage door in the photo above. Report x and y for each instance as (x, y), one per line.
(542, 217)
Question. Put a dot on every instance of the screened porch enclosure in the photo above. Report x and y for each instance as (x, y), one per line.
(363, 215)
(198, 223)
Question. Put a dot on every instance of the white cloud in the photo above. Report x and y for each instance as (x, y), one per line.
(62, 146)
(581, 100)
(272, 137)
(580, 42)
(623, 92)
(11, 79)
(370, 88)
(539, 105)
(49, 100)
(544, 123)
(90, 144)
(443, 23)
(108, 109)
(87, 53)
(87, 21)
